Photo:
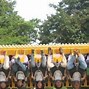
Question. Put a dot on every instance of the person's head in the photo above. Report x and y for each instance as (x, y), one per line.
(58, 84)
(76, 84)
(19, 83)
(3, 85)
(60, 50)
(39, 85)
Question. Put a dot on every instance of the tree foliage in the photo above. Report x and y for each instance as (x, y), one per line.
(13, 28)
(70, 24)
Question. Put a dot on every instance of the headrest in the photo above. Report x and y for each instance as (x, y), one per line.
(20, 75)
(2, 76)
(38, 75)
(58, 75)
(76, 76)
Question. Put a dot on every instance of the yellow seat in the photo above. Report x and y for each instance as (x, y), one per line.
(57, 58)
(22, 57)
(37, 58)
(2, 60)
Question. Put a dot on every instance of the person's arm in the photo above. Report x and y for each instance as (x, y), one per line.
(28, 64)
(82, 62)
(15, 79)
(50, 75)
(50, 63)
(27, 61)
(69, 76)
(32, 76)
(45, 75)
(8, 60)
(63, 78)
(9, 75)
(84, 76)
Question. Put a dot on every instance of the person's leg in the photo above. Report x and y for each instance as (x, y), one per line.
(27, 73)
(32, 60)
(23, 67)
(82, 62)
(70, 63)
(43, 60)
(14, 68)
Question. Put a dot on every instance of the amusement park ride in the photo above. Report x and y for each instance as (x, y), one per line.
(12, 50)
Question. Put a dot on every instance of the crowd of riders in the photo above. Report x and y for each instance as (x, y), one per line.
(38, 68)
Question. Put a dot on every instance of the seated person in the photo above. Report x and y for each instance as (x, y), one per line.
(60, 54)
(76, 62)
(20, 68)
(59, 62)
(4, 70)
(39, 69)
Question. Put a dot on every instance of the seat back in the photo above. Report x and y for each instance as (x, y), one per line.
(38, 75)
(58, 75)
(2, 76)
(20, 75)
(76, 76)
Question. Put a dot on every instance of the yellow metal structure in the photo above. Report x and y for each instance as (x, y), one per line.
(26, 49)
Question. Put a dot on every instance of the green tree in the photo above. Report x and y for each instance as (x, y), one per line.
(13, 28)
(70, 24)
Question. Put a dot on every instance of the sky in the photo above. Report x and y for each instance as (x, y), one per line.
(30, 9)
